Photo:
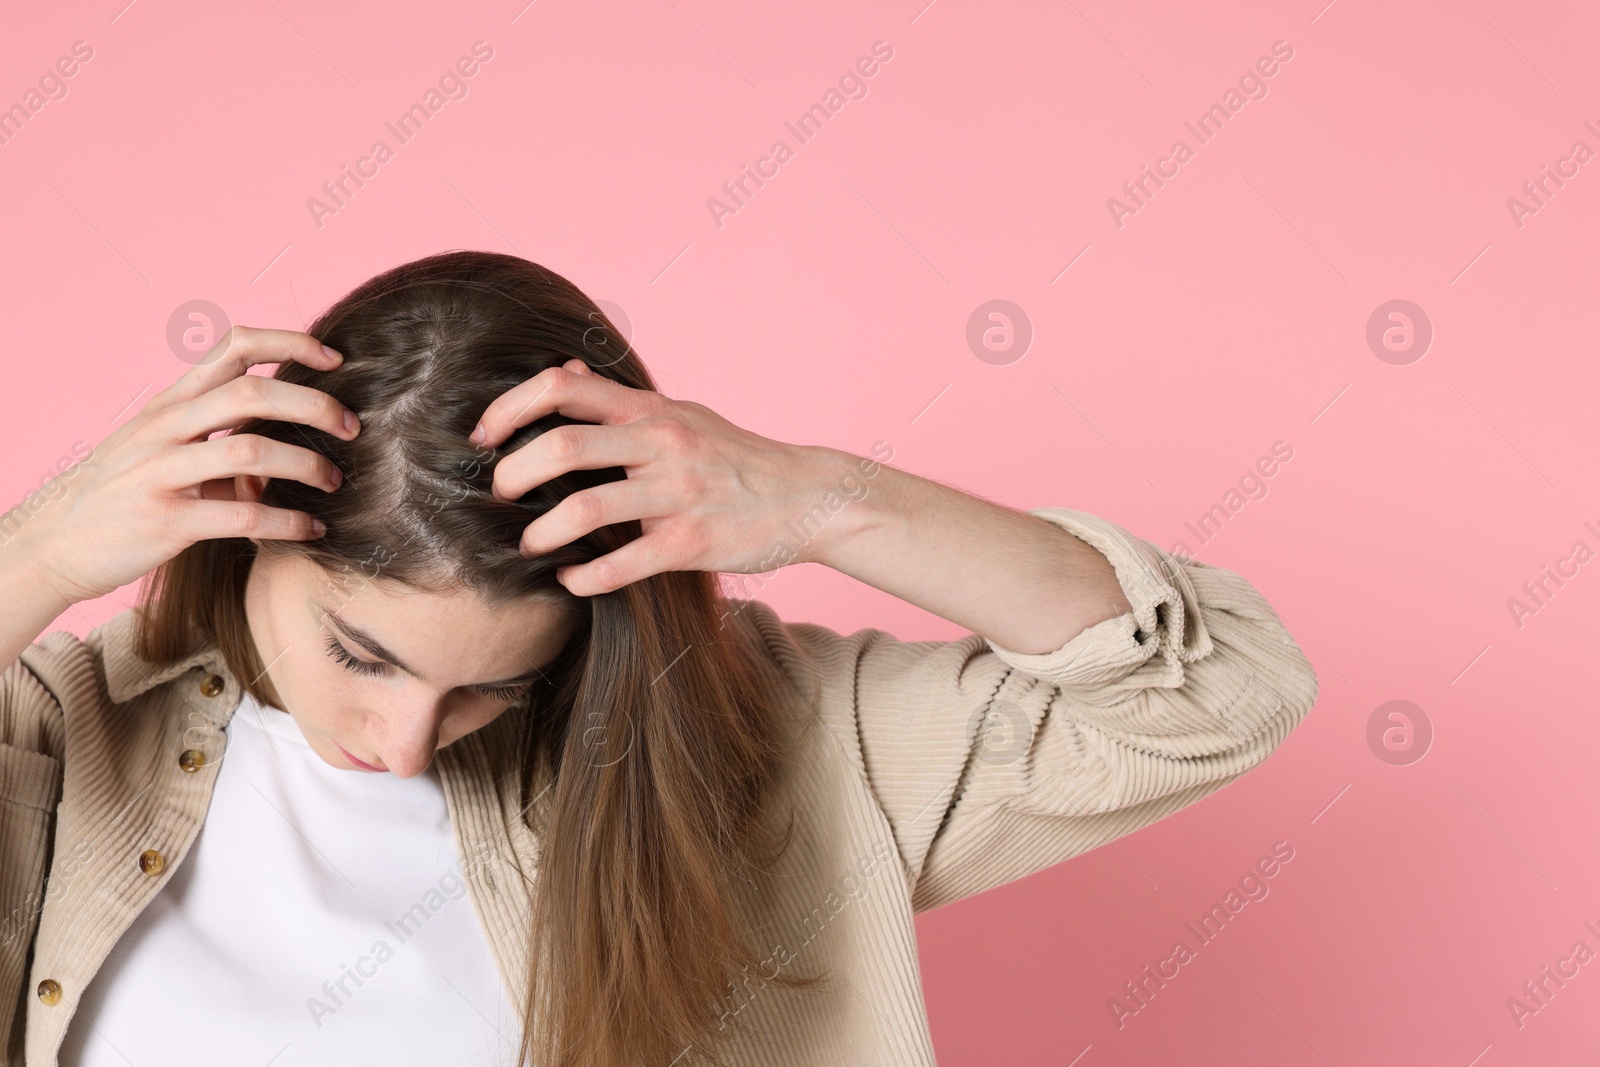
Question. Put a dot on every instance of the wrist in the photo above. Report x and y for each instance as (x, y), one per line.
(31, 603)
(25, 579)
(848, 496)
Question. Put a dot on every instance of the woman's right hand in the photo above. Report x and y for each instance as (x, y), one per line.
(157, 485)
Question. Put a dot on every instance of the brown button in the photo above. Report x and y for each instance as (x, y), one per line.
(151, 861)
(192, 760)
(212, 685)
(49, 990)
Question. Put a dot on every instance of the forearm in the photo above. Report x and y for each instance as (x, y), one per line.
(30, 605)
(1014, 578)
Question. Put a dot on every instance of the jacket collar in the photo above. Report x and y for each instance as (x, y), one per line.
(128, 674)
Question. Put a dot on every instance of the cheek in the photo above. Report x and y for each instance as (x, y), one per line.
(322, 694)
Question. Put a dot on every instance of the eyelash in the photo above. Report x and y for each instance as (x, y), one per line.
(511, 693)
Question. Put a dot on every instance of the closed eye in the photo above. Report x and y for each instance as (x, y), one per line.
(508, 693)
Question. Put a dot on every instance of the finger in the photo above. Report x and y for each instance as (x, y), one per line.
(586, 397)
(639, 558)
(241, 348)
(225, 457)
(204, 519)
(575, 447)
(587, 510)
(256, 396)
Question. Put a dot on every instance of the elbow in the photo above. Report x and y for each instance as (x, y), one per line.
(1279, 690)
(1302, 693)
(1290, 673)
(1255, 683)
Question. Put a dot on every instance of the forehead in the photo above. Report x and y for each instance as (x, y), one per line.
(449, 617)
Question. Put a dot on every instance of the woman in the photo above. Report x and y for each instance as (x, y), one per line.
(377, 648)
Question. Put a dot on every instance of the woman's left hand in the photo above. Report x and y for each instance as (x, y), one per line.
(708, 495)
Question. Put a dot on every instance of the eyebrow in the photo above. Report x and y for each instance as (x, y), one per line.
(375, 647)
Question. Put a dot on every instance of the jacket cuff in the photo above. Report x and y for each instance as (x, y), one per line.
(1163, 631)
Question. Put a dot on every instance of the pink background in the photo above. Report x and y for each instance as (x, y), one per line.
(1228, 313)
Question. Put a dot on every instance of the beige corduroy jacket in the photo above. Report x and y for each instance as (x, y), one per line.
(920, 773)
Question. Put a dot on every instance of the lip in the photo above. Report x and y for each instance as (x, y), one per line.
(360, 765)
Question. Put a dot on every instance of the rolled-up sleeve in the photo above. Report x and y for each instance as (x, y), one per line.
(989, 764)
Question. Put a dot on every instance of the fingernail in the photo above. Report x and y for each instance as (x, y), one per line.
(319, 527)
(478, 435)
(351, 423)
(331, 353)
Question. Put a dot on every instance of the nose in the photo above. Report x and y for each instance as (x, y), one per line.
(411, 736)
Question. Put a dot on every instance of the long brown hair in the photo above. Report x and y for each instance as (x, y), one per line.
(636, 927)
